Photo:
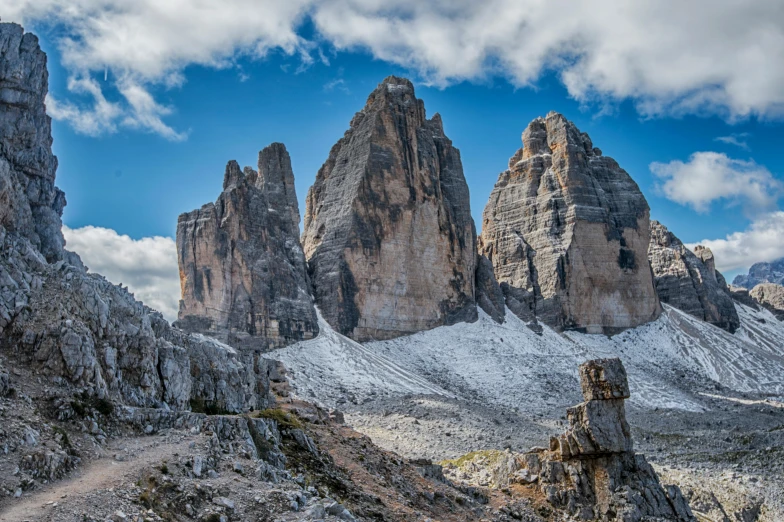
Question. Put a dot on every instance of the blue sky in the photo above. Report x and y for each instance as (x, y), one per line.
(154, 141)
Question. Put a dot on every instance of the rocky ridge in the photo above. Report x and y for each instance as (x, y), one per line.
(242, 271)
(766, 272)
(689, 280)
(770, 296)
(391, 196)
(566, 230)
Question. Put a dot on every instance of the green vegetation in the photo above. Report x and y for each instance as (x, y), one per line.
(283, 418)
(492, 457)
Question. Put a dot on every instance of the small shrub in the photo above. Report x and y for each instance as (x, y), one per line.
(104, 406)
(283, 418)
(79, 408)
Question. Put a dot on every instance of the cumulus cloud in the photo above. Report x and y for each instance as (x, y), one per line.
(711, 176)
(670, 57)
(762, 241)
(147, 266)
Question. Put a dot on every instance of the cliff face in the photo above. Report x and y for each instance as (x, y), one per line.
(77, 328)
(389, 238)
(770, 296)
(242, 269)
(689, 280)
(567, 232)
(30, 204)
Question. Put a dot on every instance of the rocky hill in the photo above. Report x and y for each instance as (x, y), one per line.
(242, 270)
(566, 230)
(391, 196)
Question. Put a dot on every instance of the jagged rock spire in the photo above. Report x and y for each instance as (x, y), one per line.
(389, 237)
(242, 269)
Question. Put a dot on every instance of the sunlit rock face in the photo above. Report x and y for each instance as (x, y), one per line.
(567, 231)
(389, 238)
(242, 269)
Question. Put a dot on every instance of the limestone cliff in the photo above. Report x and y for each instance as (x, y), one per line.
(689, 280)
(30, 204)
(76, 328)
(770, 296)
(242, 269)
(566, 229)
(389, 237)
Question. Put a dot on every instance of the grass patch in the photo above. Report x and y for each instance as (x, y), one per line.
(283, 418)
(492, 457)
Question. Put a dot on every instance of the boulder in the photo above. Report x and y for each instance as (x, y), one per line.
(389, 238)
(566, 229)
(689, 280)
(242, 270)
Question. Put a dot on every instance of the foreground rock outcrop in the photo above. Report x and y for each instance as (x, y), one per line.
(389, 238)
(72, 327)
(689, 280)
(566, 229)
(242, 270)
(591, 470)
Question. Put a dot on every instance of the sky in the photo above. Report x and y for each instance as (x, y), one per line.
(151, 99)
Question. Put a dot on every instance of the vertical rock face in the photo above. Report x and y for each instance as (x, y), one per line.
(567, 232)
(389, 238)
(591, 470)
(772, 272)
(689, 280)
(242, 269)
(30, 204)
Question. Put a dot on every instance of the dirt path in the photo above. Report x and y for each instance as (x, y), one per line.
(104, 473)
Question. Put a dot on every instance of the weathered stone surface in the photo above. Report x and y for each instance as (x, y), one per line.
(74, 328)
(689, 280)
(591, 471)
(771, 296)
(489, 295)
(567, 232)
(742, 296)
(242, 271)
(604, 379)
(30, 204)
(389, 238)
(772, 272)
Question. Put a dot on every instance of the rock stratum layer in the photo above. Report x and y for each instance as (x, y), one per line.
(30, 204)
(242, 271)
(73, 327)
(689, 280)
(389, 238)
(567, 231)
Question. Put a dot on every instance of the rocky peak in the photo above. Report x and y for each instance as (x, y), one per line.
(391, 196)
(567, 232)
(689, 280)
(770, 296)
(242, 269)
(765, 272)
(30, 204)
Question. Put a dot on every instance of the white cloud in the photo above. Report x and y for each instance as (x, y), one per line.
(147, 266)
(762, 241)
(671, 57)
(711, 176)
(737, 139)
